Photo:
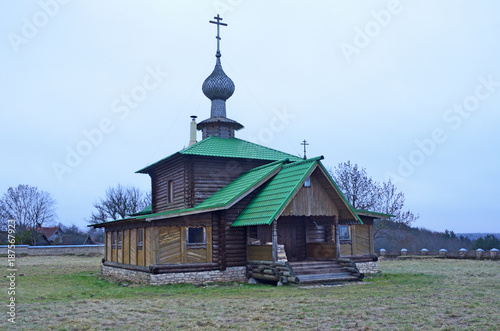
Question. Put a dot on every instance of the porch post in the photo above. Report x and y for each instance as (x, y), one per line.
(337, 237)
(275, 241)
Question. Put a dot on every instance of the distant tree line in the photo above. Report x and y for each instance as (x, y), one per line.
(414, 239)
(33, 209)
(30, 208)
(395, 233)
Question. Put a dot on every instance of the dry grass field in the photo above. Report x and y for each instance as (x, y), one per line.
(67, 293)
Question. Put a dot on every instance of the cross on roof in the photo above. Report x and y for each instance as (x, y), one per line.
(219, 23)
(304, 143)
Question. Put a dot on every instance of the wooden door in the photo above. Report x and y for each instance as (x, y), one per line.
(292, 234)
(287, 236)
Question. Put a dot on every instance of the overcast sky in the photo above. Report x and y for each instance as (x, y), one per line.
(92, 91)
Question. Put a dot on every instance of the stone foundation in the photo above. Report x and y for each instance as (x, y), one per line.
(234, 274)
(367, 267)
(133, 276)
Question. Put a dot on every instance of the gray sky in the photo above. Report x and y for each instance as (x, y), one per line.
(94, 90)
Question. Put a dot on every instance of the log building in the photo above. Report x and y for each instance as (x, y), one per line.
(225, 209)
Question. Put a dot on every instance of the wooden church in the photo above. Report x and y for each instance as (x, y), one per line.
(225, 209)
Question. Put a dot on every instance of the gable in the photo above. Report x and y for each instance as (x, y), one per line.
(273, 197)
(272, 200)
(315, 200)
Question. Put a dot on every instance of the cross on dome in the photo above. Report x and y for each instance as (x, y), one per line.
(219, 23)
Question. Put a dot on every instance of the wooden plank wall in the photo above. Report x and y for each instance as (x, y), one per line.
(149, 246)
(313, 200)
(108, 246)
(345, 249)
(260, 252)
(321, 250)
(362, 243)
(170, 245)
(133, 246)
(126, 246)
(119, 246)
(141, 253)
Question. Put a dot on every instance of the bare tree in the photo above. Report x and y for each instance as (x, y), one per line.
(118, 203)
(362, 192)
(391, 201)
(359, 189)
(30, 208)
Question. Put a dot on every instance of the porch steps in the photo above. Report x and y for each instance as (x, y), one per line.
(322, 271)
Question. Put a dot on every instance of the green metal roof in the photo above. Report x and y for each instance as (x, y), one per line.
(225, 197)
(237, 188)
(373, 213)
(147, 210)
(272, 199)
(231, 148)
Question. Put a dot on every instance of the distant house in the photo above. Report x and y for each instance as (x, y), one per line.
(48, 235)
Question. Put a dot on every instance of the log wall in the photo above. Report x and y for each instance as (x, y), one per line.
(174, 170)
(210, 174)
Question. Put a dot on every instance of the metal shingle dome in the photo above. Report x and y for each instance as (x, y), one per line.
(218, 86)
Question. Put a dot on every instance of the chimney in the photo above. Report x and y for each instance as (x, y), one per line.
(192, 132)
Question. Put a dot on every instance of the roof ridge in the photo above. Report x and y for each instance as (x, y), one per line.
(197, 144)
(266, 165)
(295, 163)
(269, 148)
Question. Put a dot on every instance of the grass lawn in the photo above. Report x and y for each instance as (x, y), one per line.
(67, 293)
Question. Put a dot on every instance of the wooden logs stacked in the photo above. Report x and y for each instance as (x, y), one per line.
(271, 271)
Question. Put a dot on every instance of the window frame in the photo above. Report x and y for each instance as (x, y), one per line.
(119, 243)
(349, 234)
(196, 244)
(170, 191)
(140, 239)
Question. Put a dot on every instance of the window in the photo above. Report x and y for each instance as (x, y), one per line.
(170, 191)
(344, 233)
(307, 183)
(140, 235)
(119, 246)
(196, 236)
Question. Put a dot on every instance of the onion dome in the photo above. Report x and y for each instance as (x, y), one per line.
(218, 87)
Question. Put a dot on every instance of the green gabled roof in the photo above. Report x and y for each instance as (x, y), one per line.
(222, 199)
(373, 213)
(146, 210)
(272, 199)
(230, 148)
(236, 190)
